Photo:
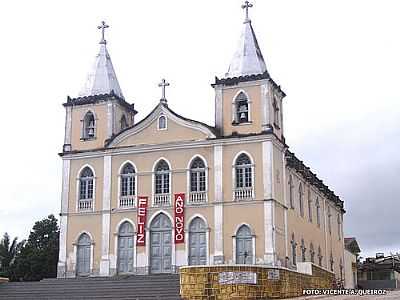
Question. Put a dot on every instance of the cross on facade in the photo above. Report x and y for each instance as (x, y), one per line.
(162, 85)
(103, 27)
(246, 6)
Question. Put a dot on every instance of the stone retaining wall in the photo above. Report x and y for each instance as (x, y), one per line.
(210, 282)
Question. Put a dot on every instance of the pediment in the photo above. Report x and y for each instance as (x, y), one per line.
(147, 131)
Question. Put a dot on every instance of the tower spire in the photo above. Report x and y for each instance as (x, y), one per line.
(248, 59)
(102, 79)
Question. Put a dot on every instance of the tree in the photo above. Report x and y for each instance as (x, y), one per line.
(39, 256)
(8, 252)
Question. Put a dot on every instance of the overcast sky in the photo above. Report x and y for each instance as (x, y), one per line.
(338, 61)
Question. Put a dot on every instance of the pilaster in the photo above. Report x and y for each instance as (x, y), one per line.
(105, 234)
(218, 257)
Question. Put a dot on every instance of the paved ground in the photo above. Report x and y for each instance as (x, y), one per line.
(392, 295)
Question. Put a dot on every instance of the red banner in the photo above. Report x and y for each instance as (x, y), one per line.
(141, 221)
(179, 218)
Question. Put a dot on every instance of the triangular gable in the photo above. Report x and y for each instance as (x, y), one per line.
(147, 131)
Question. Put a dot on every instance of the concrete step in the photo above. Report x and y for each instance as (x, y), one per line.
(165, 287)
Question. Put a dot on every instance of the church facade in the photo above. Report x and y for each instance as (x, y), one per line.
(149, 196)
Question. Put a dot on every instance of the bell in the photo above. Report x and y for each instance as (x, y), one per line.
(91, 131)
(242, 116)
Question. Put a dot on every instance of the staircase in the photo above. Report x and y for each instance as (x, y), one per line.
(155, 287)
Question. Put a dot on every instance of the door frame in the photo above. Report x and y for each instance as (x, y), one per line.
(187, 238)
(253, 243)
(116, 234)
(148, 241)
(75, 244)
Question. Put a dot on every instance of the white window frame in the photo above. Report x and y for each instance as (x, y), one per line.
(78, 186)
(188, 177)
(83, 126)
(158, 122)
(120, 182)
(153, 180)
(249, 105)
(252, 175)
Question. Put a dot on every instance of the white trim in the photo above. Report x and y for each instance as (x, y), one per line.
(158, 122)
(151, 118)
(188, 182)
(187, 230)
(219, 108)
(68, 125)
(110, 119)
(265, 92)
(267, 151)
(253, 242)
(119, 182)
(77, 188)
(218, 198)
(106, 217)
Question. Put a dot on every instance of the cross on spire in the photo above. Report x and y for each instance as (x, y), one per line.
(246, 7)
(103, 27)
(163, 84)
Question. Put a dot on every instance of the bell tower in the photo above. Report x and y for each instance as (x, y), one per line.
(247, 100)
(100, 111)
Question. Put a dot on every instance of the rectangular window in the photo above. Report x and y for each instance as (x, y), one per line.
(193, 181)
(248, 178)
(239, 178)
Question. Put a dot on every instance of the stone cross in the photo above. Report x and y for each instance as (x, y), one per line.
(246, 6)
(162, 85)
(103, 27)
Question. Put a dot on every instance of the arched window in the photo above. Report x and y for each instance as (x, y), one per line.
(162, 123)
(318, 212)
(89, 126)
(312, 253)
(244, 178)
(86, 189)
(128, 186)
(242, 109)
(320, 256)
(293, 244)
(310, 214)
(303, 251)
(83, 254)
(198, 181)
(244, 245)
(162, 183)
(291, 200)
(301, 200)
(123, 122)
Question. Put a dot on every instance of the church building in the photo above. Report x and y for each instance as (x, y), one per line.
(148, 196)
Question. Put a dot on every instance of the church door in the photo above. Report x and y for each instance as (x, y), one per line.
(83, 255)
(161, 245)
(125, 248)
(244, 246)
(197, 242)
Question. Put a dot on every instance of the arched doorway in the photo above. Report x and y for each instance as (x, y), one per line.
(83, 255)
(197, 242)
(244, 245)
(125, 248)
(161, 245)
